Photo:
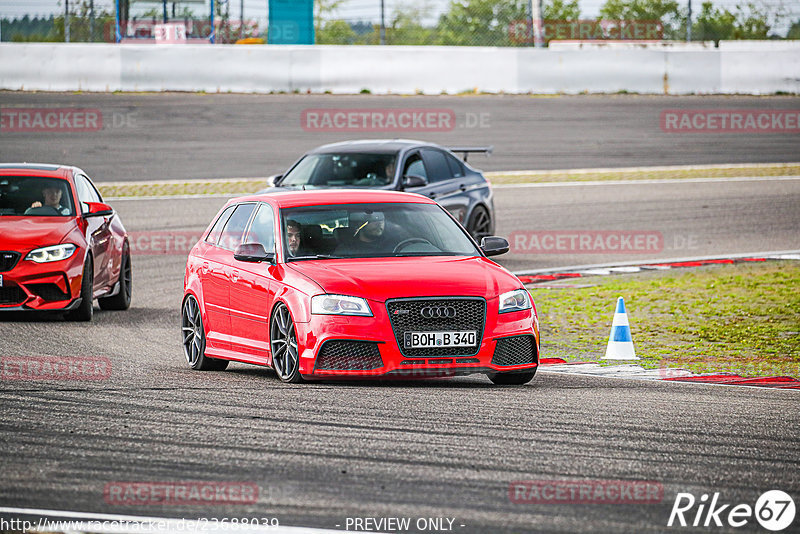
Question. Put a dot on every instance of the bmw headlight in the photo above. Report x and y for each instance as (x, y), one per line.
(516, 300)
(339, 305)
(54, 253)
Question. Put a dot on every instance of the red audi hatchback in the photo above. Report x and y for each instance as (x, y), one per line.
(353, 283)
(61, 247)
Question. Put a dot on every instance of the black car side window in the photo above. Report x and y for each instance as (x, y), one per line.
(415, 166)
(436, 165)
(456, 168)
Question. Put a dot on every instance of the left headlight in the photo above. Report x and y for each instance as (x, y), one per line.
(516, 300)
(339, 305)
(54, 253)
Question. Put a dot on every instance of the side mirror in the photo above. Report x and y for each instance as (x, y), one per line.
(494, 246)
(253, 253)
(273, 180)
(98, 209)
(414, 180)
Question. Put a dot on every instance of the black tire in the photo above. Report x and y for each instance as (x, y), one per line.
(283, 344)
(122, 300)
(85, 310)
(194, 339)
(479, 224)
(512, 379)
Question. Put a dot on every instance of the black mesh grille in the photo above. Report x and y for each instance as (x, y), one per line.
(11, 295)
(349, 356)
(48, 291)
(8, 259)
(406, 316)
(515, 350)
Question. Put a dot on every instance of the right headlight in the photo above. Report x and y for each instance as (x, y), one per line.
(54, 253)
(516, 300)
(340, 305)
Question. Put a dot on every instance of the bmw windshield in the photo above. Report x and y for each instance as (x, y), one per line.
(35, 196)
(342, 170)
(372, 230)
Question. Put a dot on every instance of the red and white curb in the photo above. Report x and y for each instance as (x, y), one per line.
(637, 372)
(548, 275)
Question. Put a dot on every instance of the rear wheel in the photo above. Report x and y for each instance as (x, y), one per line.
(480, 223)
(122, 300)
(194, 339)
(283, 342)
(512, 379)
(85, 310)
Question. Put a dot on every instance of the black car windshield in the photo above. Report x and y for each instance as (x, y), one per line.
(342, 170)
(372, 230)
(35, 197)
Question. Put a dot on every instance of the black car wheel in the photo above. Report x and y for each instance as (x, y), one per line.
(85, 309)
(122, 300)
(480, 223)
(512, 379)
(283, 342)
(194, 339)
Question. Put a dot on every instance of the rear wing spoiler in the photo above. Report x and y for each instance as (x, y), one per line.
(465, 151)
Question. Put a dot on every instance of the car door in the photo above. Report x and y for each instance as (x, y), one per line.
(443, 187)
(252, 291)
(99, 235)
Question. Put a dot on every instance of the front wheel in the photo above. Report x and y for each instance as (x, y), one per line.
(85, 309)
(194, 339)
(122, 300)
(283, 342)
(480, 223)
(512, 379)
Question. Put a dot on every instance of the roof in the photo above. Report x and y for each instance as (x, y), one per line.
(35, 169)
(370, 145)
(290, 198)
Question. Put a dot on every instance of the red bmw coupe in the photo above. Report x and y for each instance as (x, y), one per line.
(353, 283)
(61, 247)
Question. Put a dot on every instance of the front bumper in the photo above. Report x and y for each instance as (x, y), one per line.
(42, 286)
(374, 335)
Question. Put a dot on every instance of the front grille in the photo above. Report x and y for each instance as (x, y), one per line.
(406, 316)
(349, 356)
(11, 295)
(50, 292)
(515, 350)
(8, 259)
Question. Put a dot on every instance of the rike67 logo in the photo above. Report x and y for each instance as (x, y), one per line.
(774, 510)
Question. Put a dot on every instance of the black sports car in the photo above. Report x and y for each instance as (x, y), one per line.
(404, 165)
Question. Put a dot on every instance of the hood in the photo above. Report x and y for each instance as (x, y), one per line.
(380, 279)
(24, 233)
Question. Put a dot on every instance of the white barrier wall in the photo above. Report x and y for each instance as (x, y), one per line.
(749, 67)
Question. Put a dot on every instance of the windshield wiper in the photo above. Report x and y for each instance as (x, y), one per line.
(316, 257)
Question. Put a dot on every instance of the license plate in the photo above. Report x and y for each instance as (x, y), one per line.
(421, 340)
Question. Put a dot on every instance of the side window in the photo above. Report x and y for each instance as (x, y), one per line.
(216, 231)
(456, 169)
(233, 231)
(436, 165)
(414, 165)
(86, 192)
(262, 230)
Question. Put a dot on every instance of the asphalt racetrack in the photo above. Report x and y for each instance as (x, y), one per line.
(321, 453)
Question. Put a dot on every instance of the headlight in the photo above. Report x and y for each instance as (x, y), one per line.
(515, 301)
(48, 254)
(339, 305)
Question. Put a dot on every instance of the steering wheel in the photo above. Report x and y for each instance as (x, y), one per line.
(410, 241)
(42, 210)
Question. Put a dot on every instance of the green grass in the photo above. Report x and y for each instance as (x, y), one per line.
(742, 318)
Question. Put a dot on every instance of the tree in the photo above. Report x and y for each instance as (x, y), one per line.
(480, 22)
(794, 31)
(562, 10)
(719, 24)
(665, 11)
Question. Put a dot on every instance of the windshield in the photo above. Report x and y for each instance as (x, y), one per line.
(372, 230)
(343, 170)
(35, 196)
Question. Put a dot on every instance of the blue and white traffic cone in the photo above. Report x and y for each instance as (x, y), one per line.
(620, 343)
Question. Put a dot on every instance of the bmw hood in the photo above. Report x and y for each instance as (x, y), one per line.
(26, 233)
(380, 279)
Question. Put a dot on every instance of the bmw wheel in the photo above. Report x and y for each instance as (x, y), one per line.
(283, 342)
(122, 300)
(480, 223)
(194, 339)
(85, 309)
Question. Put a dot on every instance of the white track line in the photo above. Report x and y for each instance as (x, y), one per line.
(74, 522)
(648, 182)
